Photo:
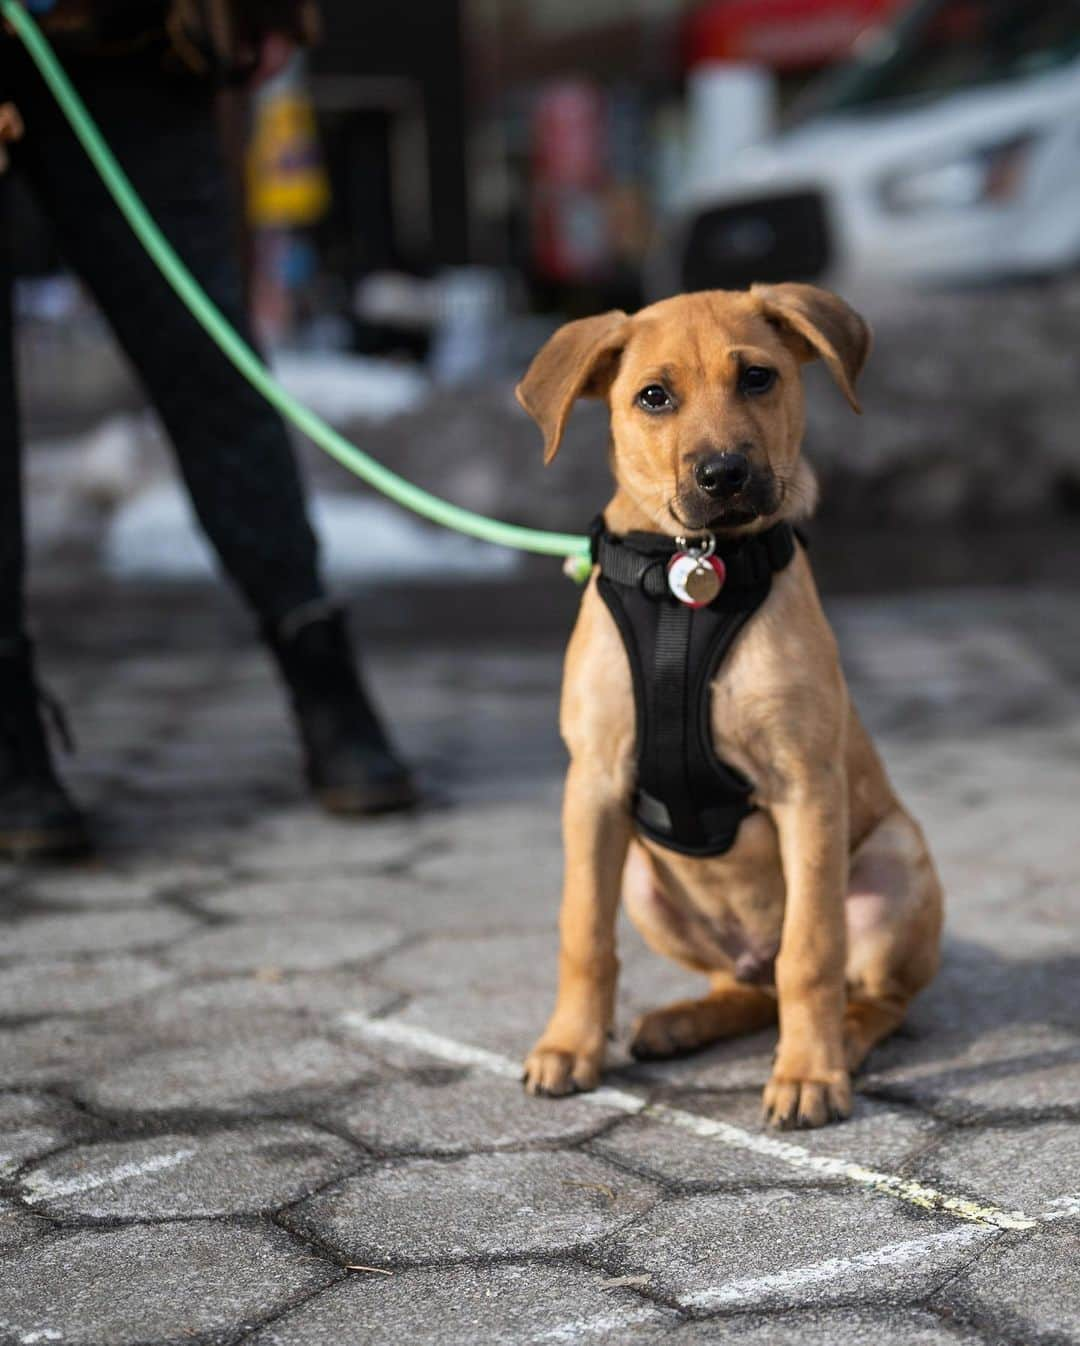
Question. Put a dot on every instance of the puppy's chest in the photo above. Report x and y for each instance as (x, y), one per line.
(751, 729)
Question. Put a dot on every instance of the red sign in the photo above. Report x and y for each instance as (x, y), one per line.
(780, 34)
(569, 224)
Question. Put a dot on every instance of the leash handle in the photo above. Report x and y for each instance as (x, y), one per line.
(237, 350)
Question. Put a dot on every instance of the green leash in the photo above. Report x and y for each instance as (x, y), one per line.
(236, 349)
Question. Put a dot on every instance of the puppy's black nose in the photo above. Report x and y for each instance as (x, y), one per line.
(724, 474)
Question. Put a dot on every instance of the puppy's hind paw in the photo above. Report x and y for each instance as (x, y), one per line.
(667, 1032)
(552, 1073)
(789, 1104)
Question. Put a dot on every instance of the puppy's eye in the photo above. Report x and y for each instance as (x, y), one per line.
(757, 379)
(654, 398)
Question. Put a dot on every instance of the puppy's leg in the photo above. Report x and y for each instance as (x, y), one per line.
(893, 912)
(596, 833)
(728, 1011)
(810, 1083)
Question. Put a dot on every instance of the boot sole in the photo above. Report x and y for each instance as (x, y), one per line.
(30, 844)
(363, 803)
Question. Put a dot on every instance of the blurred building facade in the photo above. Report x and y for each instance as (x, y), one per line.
(546, 138)
(562, 155)
(583, 119)
(585, 133)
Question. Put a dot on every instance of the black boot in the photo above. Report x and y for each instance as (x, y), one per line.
(350, 765)
(38, 819)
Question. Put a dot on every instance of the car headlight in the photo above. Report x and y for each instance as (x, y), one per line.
(980, 177)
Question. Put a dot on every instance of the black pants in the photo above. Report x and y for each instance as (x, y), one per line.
(233, 450)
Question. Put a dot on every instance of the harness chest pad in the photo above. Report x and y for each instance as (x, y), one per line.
(686, 798)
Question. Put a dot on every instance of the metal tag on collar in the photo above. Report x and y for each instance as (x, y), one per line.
(694, 575)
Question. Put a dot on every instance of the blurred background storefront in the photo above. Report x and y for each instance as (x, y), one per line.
(575, 155)
(583, 171)
(463, 159)
(548, 141)
(436, 186)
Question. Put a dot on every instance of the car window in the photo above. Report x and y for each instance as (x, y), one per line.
(943, 46)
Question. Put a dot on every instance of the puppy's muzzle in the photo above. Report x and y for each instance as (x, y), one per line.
(723, 475)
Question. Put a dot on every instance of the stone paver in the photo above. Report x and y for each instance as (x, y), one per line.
(443, 1111)
(1030, 1291)
(1029, 1070)
(299, 845)
(510, 1305)
(34, 1124)
(198, 1130)
(269, 994)
(62, 1049)
(506, 1021)
(91, 932)
(17, 1229)
(252, 1169)
(343, 897)
(1025, 1166)
(89, 888)
(245, 1074)
(426, 1210)
(71, 985)
(832, 1327)
(783, 1249)
(489, 963)
(875, 1135)
(297, 944)
(154, 1283)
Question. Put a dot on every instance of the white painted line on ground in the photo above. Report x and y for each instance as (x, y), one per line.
(462, 1054)
(753, 1290)
(847, 1170)
(40, 1187)
(1064, 1208)
(610, 1327)
(795, 1156)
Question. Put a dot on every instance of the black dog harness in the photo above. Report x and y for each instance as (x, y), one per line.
(686, 799)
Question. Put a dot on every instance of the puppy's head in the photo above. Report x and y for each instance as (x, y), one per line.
(706, 399)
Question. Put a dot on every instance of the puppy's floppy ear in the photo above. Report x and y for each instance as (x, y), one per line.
(579, 361)
(823, 325)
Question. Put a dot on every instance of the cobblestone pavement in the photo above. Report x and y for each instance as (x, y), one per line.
(256, 1066)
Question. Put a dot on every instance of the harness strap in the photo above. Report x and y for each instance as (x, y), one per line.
(686, 798)
(668, 751)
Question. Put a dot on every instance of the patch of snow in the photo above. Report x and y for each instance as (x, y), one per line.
(113, 459)
(342, 387)
(154, 536)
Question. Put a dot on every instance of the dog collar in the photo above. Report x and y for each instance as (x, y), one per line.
(639, 560)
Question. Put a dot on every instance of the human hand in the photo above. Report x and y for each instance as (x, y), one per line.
(11, 128)
(11, 123)
(276, 50)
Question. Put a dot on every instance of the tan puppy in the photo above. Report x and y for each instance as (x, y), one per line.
(826, 911)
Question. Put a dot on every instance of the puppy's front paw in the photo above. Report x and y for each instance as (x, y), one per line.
(790, 1103)
(552, 1072)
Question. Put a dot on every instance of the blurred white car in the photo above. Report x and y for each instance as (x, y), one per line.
(947, 151)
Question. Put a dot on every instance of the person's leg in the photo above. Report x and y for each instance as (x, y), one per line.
(12, 541)
(233, 449)
(37, 817)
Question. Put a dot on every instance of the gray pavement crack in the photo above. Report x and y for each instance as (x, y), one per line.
(1014, 1332)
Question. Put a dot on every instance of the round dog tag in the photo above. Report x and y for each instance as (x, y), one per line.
(695, 580)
